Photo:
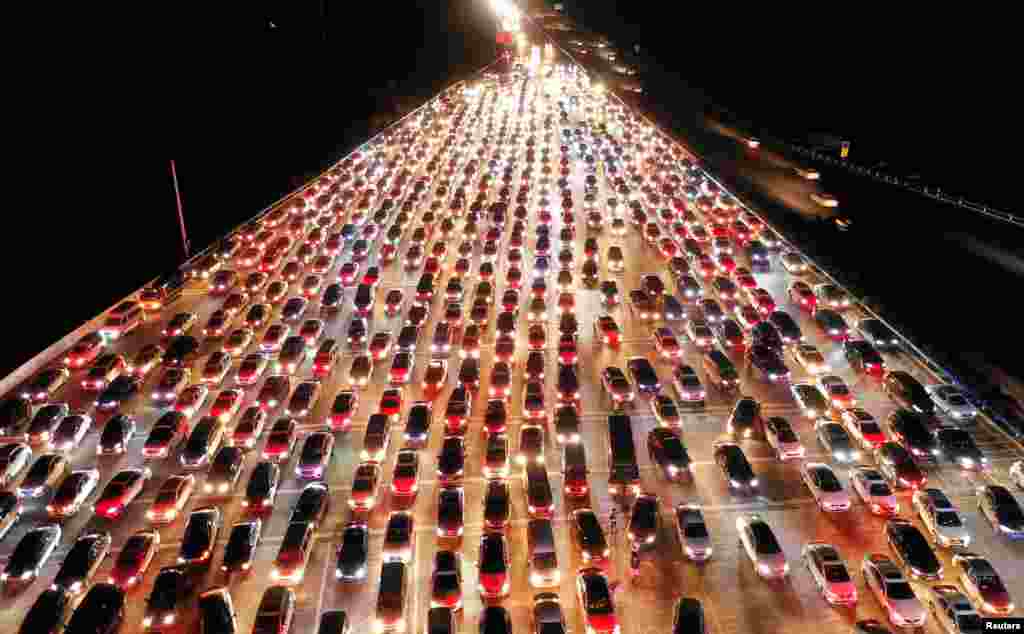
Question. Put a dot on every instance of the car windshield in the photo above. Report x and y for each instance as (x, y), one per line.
(492, 557)
(764, 539)
(238, 547)
(916, 545)
(197, 538)
(165, 592)
(949, 519)
(313, 450)
(990, 583)
(786, 434)
(880, 489)
(899, 590)
(737, 462)
(695, 529)
(828, 482)
(836, 573)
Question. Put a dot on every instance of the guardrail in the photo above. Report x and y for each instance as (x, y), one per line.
(935, 193)
(60, 347)
(918, 355)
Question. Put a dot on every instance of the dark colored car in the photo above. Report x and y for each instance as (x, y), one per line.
(913, 432)
(100, 612)
(908, 392)
(735, 466)
(46, 615)
(911, 548)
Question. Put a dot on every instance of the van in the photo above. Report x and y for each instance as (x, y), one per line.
(574, 469)
(720, 370)
(124, 318)
(394, 580)
(543, 556)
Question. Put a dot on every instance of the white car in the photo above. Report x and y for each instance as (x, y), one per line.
(941, 519)
(952, 402)
(809, 399)
(873, 489)
(810, 359)
(952, 610)
(761, 547)
(829, 572)
(793, 263)
(783, 439)
(863, 427)
(896, 596)
(983, 584)
(826, 488)
(1017, 474)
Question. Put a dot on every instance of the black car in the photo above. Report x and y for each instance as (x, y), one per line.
(331, 299)
(100, 612)
(200, 536)
(407, 338)
(745, 420)
(878, 334)
(120, 390)
(908, 392)
(766, 334)
(911, 548)
(689, 617)
(116, 434)
(15, 413)
(334, 622)
(672, 308)
(217, 612)
(898, 466)
(82, 562)
(181, 351)
(225, 470)
(735, 466)
(47, 612)
(863, 356)
(768, 362)
(261, 490)
(241, 547)
(353, 553)
(170, 590)
(786, 326)
(643, 375)
(450, 511)
(45, 421)
(913, 432)
(667, 450)
(451, 459)
(958, 446)
(312, 504)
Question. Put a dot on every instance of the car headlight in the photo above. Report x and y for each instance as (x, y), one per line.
(753, 482)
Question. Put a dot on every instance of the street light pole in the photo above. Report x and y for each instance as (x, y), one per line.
(181, 214)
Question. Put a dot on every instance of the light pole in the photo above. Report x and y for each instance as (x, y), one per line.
(181, 215)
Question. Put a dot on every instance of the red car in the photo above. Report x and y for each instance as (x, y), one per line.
(391, 402)
(568, 351)
(494, 566)
(227, 404)
(504, 348)
(763, 300)
(404, 481)
(121, 491)
(666, 343)
(605, 329)
(380, 345)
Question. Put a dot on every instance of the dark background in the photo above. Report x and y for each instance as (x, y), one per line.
(254, 99)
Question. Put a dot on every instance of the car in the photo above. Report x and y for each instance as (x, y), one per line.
(418, 422)
(878, 334)
(941, 518)
(952, 610)
(276, 611)
(104, 369)
(825, 487)
(831, 324)
(606, 330)
(910, 548)
(769, 363)
(533, 400)
(44, 476)
(834, 438)
(257, 316)
(170, 591)
(735, 466)
(1002, 510)
(316, 453)
(836, 391)
(809, 399)
(402, 368)
(493, 565)
(312, 506)
(134, 559)
(863, 427)
(745, 419)
(644, 522)
(952, 402)
(913, 431)
(82, 562)
(180, 324)
(810, 359)
(202, 443)
(829, 572)
(120, 491)
(761, 546)
(596, 601)
(171, 498)
(72, 493)
(873, 490)
(116, 434)
(14, 459)
(240, 550)
(863, 357)
(217, 324)
(281, 440)
(251, 369)
(304, 399)
(69, 434)
(898, 466)
(958, 446)
(289, 567)
(700, 333)
(357, 333)
(982, 584)
(102, 610)
(458, 409)
(262, 488)
(44, 422)
(783, 439)
(497, 504)
(238, 341)
(227, 404)
(801, 294)
(360, 370)
(30, 555)
(831, 296)
(450, 501)
(44, 385)
(353, 553)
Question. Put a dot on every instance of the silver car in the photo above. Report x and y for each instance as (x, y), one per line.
(873, 489)
(953, 611)
(829, 572)
(836, 440)
(952, 402)
(693, 532)
(761, 547)
(941, 519)
(896, 596)
(826, 488)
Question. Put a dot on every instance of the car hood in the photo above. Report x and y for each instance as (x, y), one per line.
(493, 581)
(602, 622)
(775, 562)
(911, 609)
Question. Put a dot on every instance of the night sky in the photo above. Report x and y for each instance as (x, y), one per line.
(254, 100)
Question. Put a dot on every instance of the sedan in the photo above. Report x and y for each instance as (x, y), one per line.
(761, 547)
(825, 487)
(829, 573)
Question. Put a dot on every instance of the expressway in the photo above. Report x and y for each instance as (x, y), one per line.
(735, 599)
